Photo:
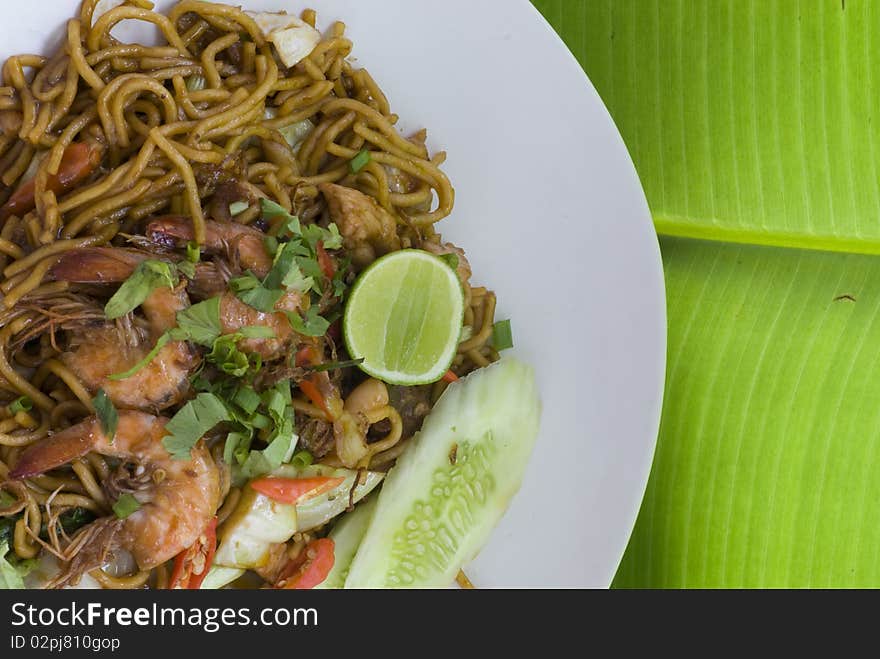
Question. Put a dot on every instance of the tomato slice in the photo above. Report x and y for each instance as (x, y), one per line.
(294, 490)
(198, 557)
(311, 390)
(311, 567)
(328, 267)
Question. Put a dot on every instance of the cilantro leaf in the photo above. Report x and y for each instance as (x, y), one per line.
(200, 323)
(107, 414)
(226, 356)
(261, 298)
(147, 277)
(313, 324)
(191, 423)
(284, 261)
(271, 210)
(257, 332)
(254, 293)
(333, 239)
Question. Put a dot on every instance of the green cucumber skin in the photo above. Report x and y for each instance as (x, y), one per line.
(347, 536)
(432, 517)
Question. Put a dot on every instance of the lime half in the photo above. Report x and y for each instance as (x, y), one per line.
(404, 317)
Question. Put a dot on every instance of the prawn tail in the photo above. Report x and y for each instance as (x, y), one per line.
(55, 451)
(96, 265)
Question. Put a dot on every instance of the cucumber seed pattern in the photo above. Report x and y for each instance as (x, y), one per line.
(432, 534)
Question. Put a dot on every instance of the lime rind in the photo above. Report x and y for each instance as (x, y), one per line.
(404, 318)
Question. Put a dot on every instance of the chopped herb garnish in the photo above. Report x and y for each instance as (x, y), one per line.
(302, 459)
(187, 269)
(200, 323)
(236, 447)
(260, 298)
(238, 207)
(333, 239)
(261, 422)
(360, 161)
(226, 356)
(312, 324)
(191, 423)
(193, 252)
(107, 414)
(125, 505)
(271, 243)
(502, 335)
(21, 404)
(150, 356)
(247, 399)
(246, 282)
(147, 277)
(271, 210)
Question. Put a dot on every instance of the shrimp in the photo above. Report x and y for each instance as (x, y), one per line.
(245, 249)
(178, 498)
(368, 230)
(96, 353)
(243, 246)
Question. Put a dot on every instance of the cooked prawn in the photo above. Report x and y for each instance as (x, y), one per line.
(96, 353)
(244, 249)
(178, 498)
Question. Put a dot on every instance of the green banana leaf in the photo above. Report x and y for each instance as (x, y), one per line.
(753, 125)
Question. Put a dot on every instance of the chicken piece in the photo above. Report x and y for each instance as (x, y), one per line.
(464, 267)
(368, 230)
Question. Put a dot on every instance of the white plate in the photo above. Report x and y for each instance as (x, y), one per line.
(553, 217)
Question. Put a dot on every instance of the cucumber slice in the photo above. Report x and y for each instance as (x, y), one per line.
(434, 516)
(347, 536)
(219, 576)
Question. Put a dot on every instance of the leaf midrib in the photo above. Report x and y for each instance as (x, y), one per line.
(670, 225)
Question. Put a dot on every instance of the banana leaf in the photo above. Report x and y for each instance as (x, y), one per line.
(752, 124)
